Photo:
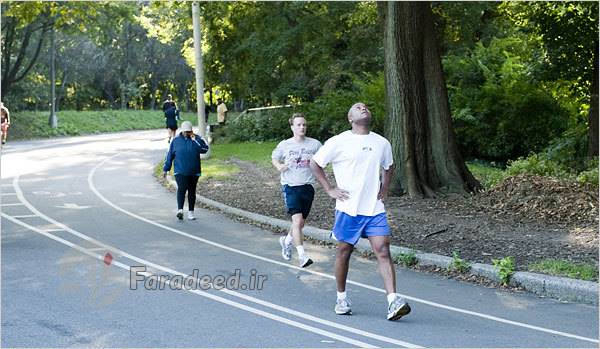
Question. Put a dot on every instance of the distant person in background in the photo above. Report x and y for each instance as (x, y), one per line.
(171, 116)
(206, 112)
(185, 152)
(221, 112)
(4, 121)
(291, 158)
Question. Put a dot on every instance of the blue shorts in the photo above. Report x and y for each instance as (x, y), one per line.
(298, 199)
(350, 229)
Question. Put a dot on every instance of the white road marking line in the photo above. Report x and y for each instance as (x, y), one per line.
(25, 216)
(8, 194)
(202, 293)
(12, 204)
(53, 230)
(230, 292)
(418, 300)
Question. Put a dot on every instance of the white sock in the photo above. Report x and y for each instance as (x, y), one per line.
(300, 250)
(341, 295)
(391, 297)
(288, 239)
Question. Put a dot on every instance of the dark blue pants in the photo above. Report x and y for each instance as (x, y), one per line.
(186, 183)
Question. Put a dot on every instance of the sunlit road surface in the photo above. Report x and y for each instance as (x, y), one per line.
(92, 255)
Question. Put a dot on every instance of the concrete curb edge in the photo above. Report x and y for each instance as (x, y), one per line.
(561, 288)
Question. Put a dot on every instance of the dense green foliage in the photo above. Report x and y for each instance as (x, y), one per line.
(518, 74)
(29, 125)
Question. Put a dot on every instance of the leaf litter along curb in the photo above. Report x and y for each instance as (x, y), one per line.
(466, 224)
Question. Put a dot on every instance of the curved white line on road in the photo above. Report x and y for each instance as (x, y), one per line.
(202, 293)
(282, 309)
(418, 300)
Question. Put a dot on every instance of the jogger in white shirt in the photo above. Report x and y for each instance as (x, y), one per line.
(358, 157)
(291, 158)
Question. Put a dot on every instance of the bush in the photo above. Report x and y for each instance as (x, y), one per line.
(570, 150)
(540, 164)
(537, 164)
(326, 116)
(499, 112)
(590, 175)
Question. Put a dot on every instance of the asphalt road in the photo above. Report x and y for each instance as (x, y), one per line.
(78, 213)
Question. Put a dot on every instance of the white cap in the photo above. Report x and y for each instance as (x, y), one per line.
(186, 126)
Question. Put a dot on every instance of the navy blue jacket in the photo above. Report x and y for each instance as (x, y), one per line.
(186, 154)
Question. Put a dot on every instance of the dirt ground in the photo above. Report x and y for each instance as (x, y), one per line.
(529, 218)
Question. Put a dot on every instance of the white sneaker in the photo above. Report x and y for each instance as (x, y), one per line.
(191, 216)
(286, 250)
(397, 309)
(305, 261)
(342, 307)
(180, 214)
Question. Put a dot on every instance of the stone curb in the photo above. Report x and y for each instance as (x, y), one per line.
(561, 288)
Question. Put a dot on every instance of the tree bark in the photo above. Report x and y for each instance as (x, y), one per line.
(418, 121)
(9, 75)
(593, 112)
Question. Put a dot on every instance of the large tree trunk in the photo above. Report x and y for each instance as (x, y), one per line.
(418, 121)
(593, 112)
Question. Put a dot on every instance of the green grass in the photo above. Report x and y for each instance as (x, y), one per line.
(582, 271)
(30, 124)
(214, 168)
(487, 174)
(256, 152)
(211, 168)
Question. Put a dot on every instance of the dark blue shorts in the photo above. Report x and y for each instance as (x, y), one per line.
(350, 229)
(171, 124)
(298, 199)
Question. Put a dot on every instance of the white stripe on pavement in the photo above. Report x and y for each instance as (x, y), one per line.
(419, 300)
(203, 293)
(230, 292)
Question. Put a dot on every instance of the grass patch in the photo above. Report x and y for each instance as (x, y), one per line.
(582, 271)
(256, 152)
(486, 173)
(211, 168)
(34, 124)
(214, 168)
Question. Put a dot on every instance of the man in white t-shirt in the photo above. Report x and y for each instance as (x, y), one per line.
(292, 157)
(359, 159)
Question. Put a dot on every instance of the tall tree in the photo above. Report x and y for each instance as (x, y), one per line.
(23, 31)
(418, 123)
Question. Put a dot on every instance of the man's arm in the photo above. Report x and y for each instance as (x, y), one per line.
(333, 192)
(385, 186)
(281, 167)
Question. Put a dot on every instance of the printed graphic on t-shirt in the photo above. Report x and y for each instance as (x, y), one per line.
(299, 159)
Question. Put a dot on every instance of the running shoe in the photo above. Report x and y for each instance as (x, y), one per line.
(397, 309)
(342, 307)
(286, 250)
(305, 262)
(191, 216)
(180, 215)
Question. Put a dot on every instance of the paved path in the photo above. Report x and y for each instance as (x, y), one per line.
(69, 205)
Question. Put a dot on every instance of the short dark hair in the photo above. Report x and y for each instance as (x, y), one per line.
(295, 115)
